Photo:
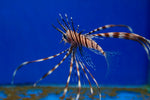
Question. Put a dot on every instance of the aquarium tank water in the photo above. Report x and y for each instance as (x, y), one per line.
(27, 34)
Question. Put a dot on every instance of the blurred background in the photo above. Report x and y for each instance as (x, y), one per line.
(26, 34)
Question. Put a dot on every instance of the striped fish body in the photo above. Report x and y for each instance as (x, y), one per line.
(78, 40)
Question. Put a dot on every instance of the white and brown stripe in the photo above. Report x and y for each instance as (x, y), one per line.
(81, 40)
(109, 26)
(69, 76)
(50, 57)
(124, 35)
(91, 89)
(79, 81)
(49, 72)
(93, 80)
(39, 60)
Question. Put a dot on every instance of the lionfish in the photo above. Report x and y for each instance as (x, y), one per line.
(77, 41)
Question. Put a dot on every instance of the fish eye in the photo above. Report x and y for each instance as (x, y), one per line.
(65, 37)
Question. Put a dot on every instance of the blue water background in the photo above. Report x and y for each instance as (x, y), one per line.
(26, 34)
